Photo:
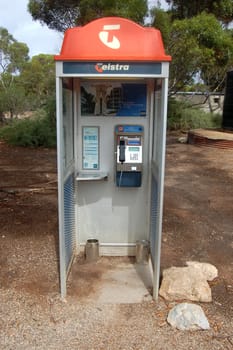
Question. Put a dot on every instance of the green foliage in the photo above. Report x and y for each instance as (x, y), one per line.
(93, 9)
(13, 54)
(38, 80)
(200, 45)
(31, 89)
(50, 109)
(12, 99)
(162, 21)
(63, 15)
(181, 116)
(222, 9)
(26, 85)
(54, 13)
(13, 57)
(33, 132)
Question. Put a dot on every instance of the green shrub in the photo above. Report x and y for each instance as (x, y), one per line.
(34, 132)
(181, 116)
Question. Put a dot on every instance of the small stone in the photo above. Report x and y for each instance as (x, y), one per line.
(188, 283)
(188, 317)
(183, 139)
(209, 271)
(185, 283)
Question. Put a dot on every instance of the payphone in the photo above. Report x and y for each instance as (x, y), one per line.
(129, 145)
(111, 101)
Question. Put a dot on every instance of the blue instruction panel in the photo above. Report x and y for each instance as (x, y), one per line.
(129, 129)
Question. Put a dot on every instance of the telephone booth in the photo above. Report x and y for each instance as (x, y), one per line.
(111, 86)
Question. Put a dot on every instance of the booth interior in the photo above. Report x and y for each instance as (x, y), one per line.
(111, 135)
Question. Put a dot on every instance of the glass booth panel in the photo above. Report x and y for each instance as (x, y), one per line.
(68, 120)
(119, 99)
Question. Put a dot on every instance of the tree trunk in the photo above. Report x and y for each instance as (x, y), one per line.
(2, 117)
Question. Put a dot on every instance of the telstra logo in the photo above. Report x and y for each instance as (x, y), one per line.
(110, 67)
(107, 38)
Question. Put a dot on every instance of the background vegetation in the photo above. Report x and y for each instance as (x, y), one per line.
(182, 116)
(34, 132)
(197, 34)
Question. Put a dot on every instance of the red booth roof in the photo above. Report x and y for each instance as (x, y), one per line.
(112, 39)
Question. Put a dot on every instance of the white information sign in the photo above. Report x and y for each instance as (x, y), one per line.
(91, 147)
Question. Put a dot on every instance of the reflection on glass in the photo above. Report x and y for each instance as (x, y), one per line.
(68, 120)
(113, 99)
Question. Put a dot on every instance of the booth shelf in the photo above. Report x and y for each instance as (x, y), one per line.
(92, 176)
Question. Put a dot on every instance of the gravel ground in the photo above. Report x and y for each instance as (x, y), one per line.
(48, 323)
(32, 315)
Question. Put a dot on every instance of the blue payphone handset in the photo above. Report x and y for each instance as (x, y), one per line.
(129, 147)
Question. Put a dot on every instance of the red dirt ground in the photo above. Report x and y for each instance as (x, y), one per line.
(198, 216)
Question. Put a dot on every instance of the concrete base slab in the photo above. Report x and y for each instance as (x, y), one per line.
(129, 283)
(111, 280)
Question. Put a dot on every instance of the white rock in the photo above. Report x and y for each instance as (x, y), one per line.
(209, 271)
(183, 139)
(188, 317)
(185, 283)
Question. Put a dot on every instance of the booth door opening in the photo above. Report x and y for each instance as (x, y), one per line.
(112, 165)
